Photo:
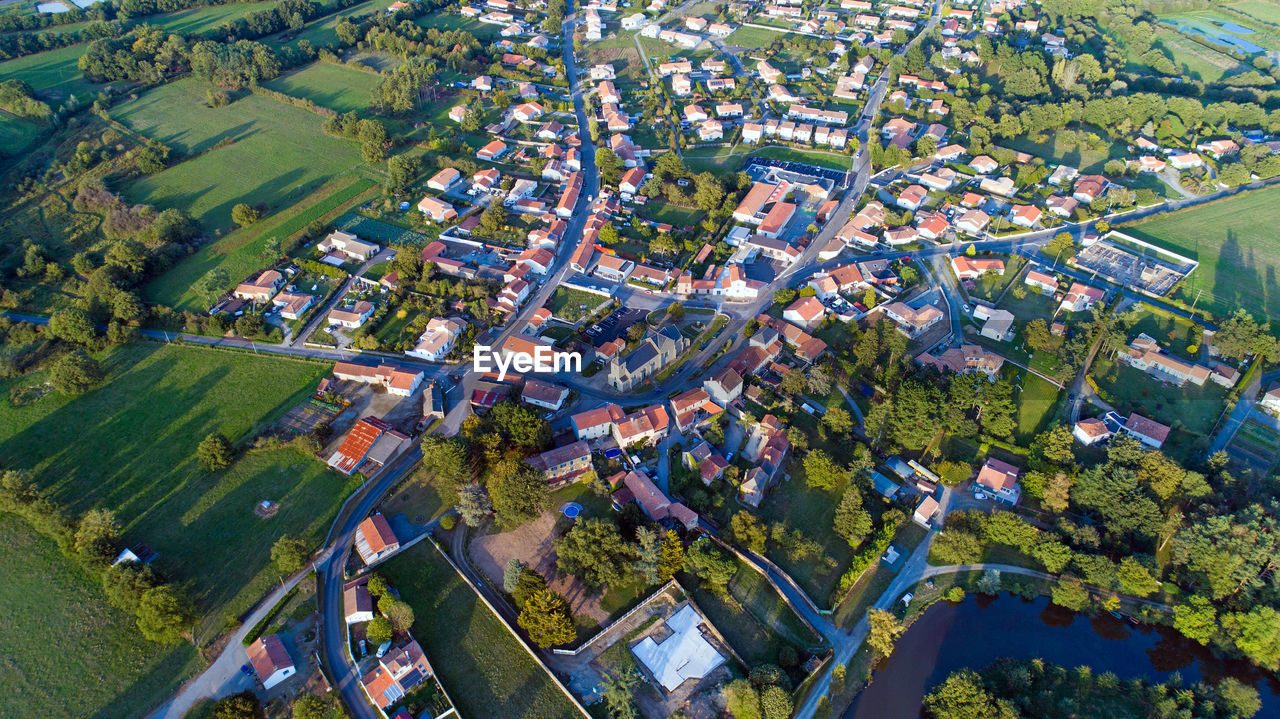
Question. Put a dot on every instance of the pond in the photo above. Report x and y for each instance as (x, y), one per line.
(979, 630)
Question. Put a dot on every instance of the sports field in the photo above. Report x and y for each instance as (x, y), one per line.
(130, 446)
(71, 653)
(273, 154)
(1234, 240)
(336, 87)
(482, 667)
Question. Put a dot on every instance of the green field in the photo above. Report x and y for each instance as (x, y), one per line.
(572, 305)
(277, 153)
(753, 37)
(818, 159)
(1260, 9)
(130, 446)
(1036, 401)
(199, 20)
(53, 74)
(482, 667)
(1056, 150)
(327, 85)
(1191, 411)
(811, 510)
(1234, 241)
(66, 651)
(18, 134)
(240, 253)
(320, 32)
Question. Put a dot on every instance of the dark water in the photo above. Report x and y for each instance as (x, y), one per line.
(981, 629)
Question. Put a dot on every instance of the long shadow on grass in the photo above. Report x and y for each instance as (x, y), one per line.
(146, 691)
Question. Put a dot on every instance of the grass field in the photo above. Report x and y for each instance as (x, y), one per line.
(200, 20)
(277, 156)
(130, 446)
(798, 506)
(753, 37)
(321, 32)
(1234, 241)
(1260, 9)
(755, 620)
(1055, 150)
(66, 651)
(818, 159)
(477, 660)
(240, 252)
(336, 87)
(1036, 401)
(53, 74)
(18, 134)
(1191, 411)
(572, 305)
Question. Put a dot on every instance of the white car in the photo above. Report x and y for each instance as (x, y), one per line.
(979, 495)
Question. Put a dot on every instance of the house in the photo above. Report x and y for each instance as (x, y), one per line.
(270, 660)
(973, 222)
(396, 381)
(1217, 149)
(984, 165)
(1091, 431)
(1025, 215)
(776, 219)
(1002, 186)
(261, 288)
(1061, 206)
(596, 423)
(375, 540)
(1147, 431)
(437, 210)
(807, 312)
(710, 130)
(357, 602)
(965, 359)
(292, 305)
(492, 151)
(1042, 280)
(437, 340)
(912, 198)
(544, 394)
(925, 512)
(1081, 297)
(1001, 478)
(527, 112)
(562, 465)
(659, 348)
(910, 320)
(680, 653)
(1089, 188)
(654, 503)
(445, 179)
(647, 425)
(397, 673)
(1270, 401)
(1185, 161)
(1151, 164)
(691, 407)
(724, 386)
(1145, 354)
(349, 245)
(353, 317)
(967, 268)
(632, 181)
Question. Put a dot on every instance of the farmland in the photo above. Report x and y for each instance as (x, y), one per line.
(336, 87)
(72, 654)
(130, 446)
(240, 252)
(1234, 241)
(254, 150)
(479, 663)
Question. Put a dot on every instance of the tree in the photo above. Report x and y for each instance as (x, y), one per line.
(709, 564)
(493, 219)
(955, 546)
(675, 311)
(822, 472)
(594, 551)
(310, 706)
(518, 491)
(852, 521)
(289, 554)
(511, 575)
(818, 381)
(215, 452)
(473, 504)
(73, 325)
(547, 619)
(1240, 700)
(609, 165)
(245, 215)
(1256, 634)
(1136, 579)
(244, 705)
(883, 631)
(672, 554)
(1070, 593)
(1197, 619)
(74, 373)
(616, 691)
(163, 616)
(446, 458)
(212, 285)
(397, 611)
(401, 169)
(742, 700)
(963, 696)
(747, 531)
(648, 549)
(793, 383)
(1241, 336)
(98, 535)
(775, 702)
(378, 631)
(1037, 335)
(663, 245)
(837, 420)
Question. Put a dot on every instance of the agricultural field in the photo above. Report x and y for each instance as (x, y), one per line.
(1234, 241)
(1256, 443)
(72, 654)
(130, 446)
(240, 253)
(53, 74)
(481, 665)
(336, 87)
(277, 154)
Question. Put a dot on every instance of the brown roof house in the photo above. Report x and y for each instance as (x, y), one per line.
(270, 660)
(375, 540)
(397, 673)
(357, 602)
(1001, 478)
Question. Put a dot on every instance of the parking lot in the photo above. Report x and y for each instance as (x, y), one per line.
(615, 325)
(757, 166)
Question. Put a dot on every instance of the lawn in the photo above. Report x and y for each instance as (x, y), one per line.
(1191, 411)
(1234, 241)
(130, 446)
(53, 74)
(1174, 333)
(715, 159)
(990, 285)
(753, 37)
(830, 161)
(254, 150)
(336, 87)
(1036, 401)
(69, 653)
(321, 33)
(572, 305)
(482, 667)
(753, 618)
(240, 253)
(798, 506)
(1055, 149)
(672, 214)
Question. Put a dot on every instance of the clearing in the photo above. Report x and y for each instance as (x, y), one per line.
(1234, 241)
(336, 87)
(481, 665)
(253, 150)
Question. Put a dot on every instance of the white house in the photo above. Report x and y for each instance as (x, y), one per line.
(270, 660)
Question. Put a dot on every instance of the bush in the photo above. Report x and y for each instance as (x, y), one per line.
(448, 522)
